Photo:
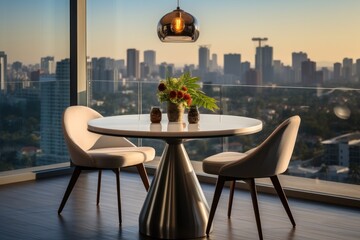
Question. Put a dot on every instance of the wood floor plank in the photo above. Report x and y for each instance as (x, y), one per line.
(29, 211)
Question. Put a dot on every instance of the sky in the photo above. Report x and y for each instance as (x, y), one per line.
(327, 30)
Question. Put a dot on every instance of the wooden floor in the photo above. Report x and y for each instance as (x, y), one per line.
(29, 211)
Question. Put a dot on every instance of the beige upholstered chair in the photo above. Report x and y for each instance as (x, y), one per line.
(269, 159)
(89, 151)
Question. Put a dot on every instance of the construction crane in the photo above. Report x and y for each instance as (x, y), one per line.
(257, 39)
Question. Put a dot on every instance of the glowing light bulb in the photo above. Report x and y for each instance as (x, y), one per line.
(177, 24)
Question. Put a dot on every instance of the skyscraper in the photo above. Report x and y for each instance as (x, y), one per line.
(297, 59)
(55, 95)
(133, 63)
(166, 70)
(232, 64)
(204, 58)
(150, 60)
(104, 75)
(347, 69)
(357, 69)
(264, 64)
(3, 72)
(47, 65)
(337, 71)
(244, 67)
(213, 64)
(308, 73)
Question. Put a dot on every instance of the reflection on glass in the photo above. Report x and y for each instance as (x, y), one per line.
(176, 127)
(155, 127)
(194, 127)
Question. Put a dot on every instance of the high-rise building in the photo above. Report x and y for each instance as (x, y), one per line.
(297, 59)
(308, 73)
(337, 71)
(104, 75)
(213, 65)
(47, 65)
(204, 58)
(244, 67)
(150, 60)
(3, 72)
(55, 95)
(251, 77)
(232, 64)
(279, 71)
(326, 74)
(133, 63)
(264, 64)
(347, 69)
(144, 70)
(357, 69)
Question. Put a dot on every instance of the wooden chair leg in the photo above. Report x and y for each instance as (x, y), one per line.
(218, 189)
(98, 188)
(143, 175)
(252, 185)
(117, 173)
(231, 196)
(282, 196)
(70, 187)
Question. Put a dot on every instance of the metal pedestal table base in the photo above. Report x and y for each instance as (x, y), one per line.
(175, 206)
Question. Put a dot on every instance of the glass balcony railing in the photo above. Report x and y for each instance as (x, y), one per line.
(328, 143)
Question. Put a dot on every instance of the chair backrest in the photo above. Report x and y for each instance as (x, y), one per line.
(271, 157)
(78, 139)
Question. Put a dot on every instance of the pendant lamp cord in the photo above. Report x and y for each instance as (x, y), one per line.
(178, 7)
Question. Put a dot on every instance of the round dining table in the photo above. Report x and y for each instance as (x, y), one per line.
(175, 206)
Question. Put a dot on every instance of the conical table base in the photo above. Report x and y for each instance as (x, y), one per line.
(175, 207)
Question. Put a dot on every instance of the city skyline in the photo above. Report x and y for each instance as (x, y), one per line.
(325, 30)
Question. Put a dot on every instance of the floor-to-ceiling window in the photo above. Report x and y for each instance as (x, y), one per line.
(308, 64)
(34, 77)
(263, 59)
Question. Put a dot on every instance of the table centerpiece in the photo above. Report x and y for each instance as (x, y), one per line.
(183, 92)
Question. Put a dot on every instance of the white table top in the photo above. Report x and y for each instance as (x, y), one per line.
(210, 125)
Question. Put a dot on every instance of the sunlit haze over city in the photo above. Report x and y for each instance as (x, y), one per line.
(327, 30)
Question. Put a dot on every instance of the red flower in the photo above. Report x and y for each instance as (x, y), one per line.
(162, 87)
(187, 96)
(184, 88)
(172, 94)
(188, 99)
(180, 94)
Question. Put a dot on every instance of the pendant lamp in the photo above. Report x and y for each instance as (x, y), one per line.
(178, 26)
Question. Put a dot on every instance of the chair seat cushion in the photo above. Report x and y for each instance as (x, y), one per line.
(117, 157)
(214, 163)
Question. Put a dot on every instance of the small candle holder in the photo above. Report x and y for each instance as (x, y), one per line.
(193, 115)
(155, 114)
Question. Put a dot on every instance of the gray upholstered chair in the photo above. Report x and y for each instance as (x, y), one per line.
(91, 151)
(269, 159)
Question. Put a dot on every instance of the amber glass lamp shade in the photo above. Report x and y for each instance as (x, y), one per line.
(178, 26)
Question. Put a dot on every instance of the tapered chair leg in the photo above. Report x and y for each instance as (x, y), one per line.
(252, 185)
(282, 196)
(231, 197)
(98, 188)
(218, 189)
(70, 187)
(117, 173)
(143, 175)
